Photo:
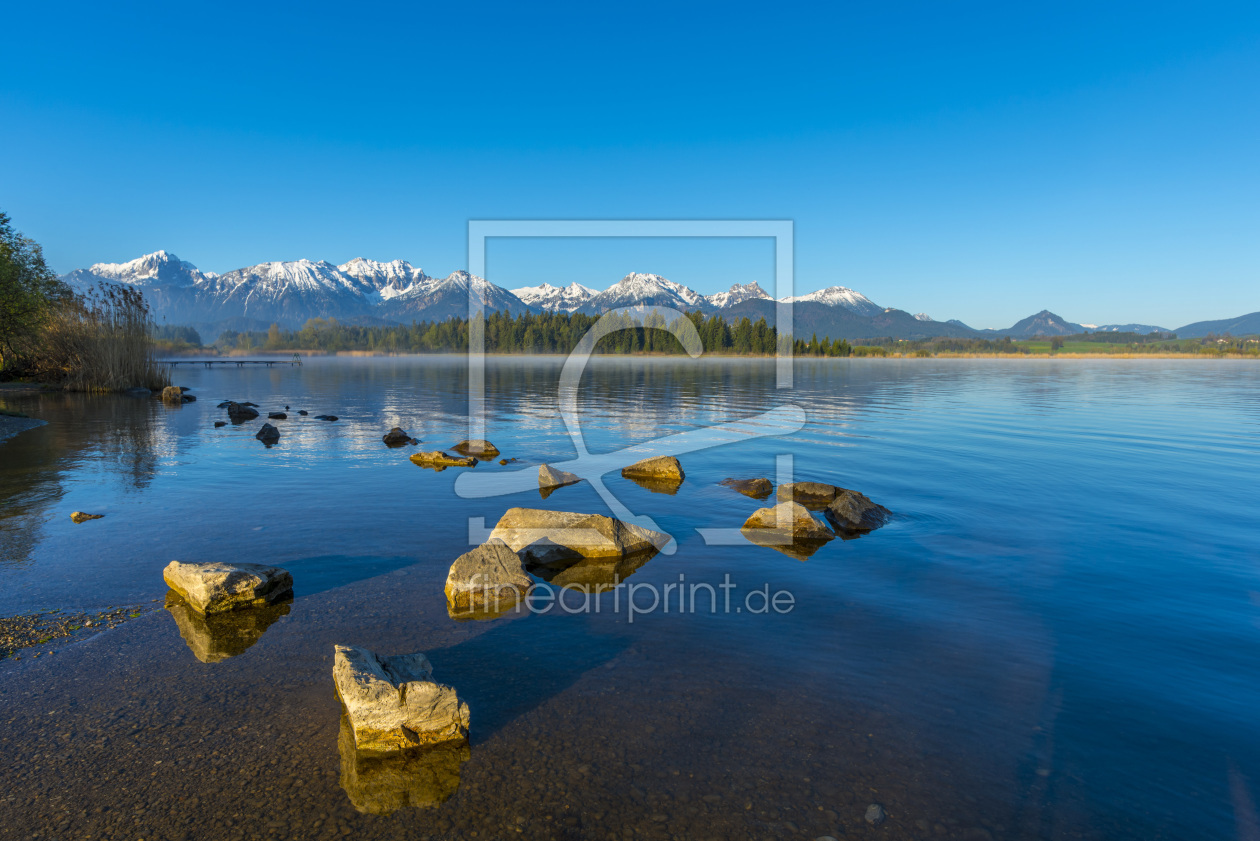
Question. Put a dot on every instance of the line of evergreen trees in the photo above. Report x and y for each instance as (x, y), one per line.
(529, 333)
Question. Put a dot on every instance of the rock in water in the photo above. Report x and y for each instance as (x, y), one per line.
(813, 495)
(239, 413)
(659, 468)
(326, 417)
(788, 528)
(268, 434)
(303, 412)
(219, 636)
(486, 582)
(755, 488)
(852, 511)
(277, 416)
(218, 424)
(188, 398)
(549, 477)
(173, 395)
(381, 784)
(440, 460)
(398, 437)
(544, 537)
(875, 814)
(476, 447)
(80, 517)
(217, 587)
(393, 703)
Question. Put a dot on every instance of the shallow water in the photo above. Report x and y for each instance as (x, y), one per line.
(1056, 636)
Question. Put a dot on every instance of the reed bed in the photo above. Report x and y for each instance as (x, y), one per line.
(101, 342)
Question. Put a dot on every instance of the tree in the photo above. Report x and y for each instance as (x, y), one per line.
(28, 292)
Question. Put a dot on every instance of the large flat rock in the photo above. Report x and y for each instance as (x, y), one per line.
(657, 467)
(220, 587)
(393, 703)
(543, 537)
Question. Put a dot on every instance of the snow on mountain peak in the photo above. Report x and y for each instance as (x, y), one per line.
(160, 267)
(840, 296)
(555, 298)
(738, 293)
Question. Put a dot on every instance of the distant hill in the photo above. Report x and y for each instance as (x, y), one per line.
(1243, 325)
(1044, 323)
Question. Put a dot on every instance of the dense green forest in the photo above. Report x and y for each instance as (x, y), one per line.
(560, 333)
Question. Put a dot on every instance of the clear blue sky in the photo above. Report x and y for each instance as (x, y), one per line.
(978, 161)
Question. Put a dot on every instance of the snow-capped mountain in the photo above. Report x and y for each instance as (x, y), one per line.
(550, 298)
(737, 294)
(387, 280)
(922, 316)
(644, 290)
(160, 267)
(841, 296)
(439, 299)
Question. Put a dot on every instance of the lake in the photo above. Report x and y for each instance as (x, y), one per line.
(1056, 636)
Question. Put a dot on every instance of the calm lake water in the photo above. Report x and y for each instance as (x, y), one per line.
(1058, 636)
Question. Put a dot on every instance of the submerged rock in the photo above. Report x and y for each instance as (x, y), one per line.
(326, 417)
(238, 413)
(188, 398)
(544, 537)
(550, 477)
(393, 703)
(486, 581)
(875, 814)
(218, 424)
(477, 447)
(277, 416)
(398, 437)
(418, 778)
(303, 412)
(508, 461)
(439, 459)
(80, 517)
(851, 511)
(657, 468)
(218, 636)
(268, 434)
(755, 488)
(219, 587)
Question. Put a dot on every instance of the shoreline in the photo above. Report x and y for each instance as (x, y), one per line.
(11, 426)
(711, 354)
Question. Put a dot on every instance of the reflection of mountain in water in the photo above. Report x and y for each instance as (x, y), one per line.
(220, 636)
(380, 784)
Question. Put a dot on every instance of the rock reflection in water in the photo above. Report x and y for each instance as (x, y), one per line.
(222, 635)
(658, 485)
(383, 783)
(590, 574)
(780, 541)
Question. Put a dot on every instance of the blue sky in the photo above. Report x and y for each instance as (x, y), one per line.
(979, 161)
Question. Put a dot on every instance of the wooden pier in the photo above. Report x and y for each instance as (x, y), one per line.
(239, 363)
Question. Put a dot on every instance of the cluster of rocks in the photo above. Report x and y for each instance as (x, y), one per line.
(791, 527)
(467, 453)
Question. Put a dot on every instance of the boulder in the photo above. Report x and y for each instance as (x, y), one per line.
(277, 416)
(791, 519)
(393, 703)
(220, 587)
(658, 468)
(218, 424)
(545, 537)
(268, 434)
(549, 477)
(813, 495)
(398, 437)
(218, 636)
(486, 582)
(303, 412)
(477, 447)
(381, 784)
(441, 460)
(854, 512)
(173, 395)
(80, 517)
(240, 412)
(326, 417)
(755, 488)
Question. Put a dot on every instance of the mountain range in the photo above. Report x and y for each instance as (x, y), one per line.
(366, 291)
